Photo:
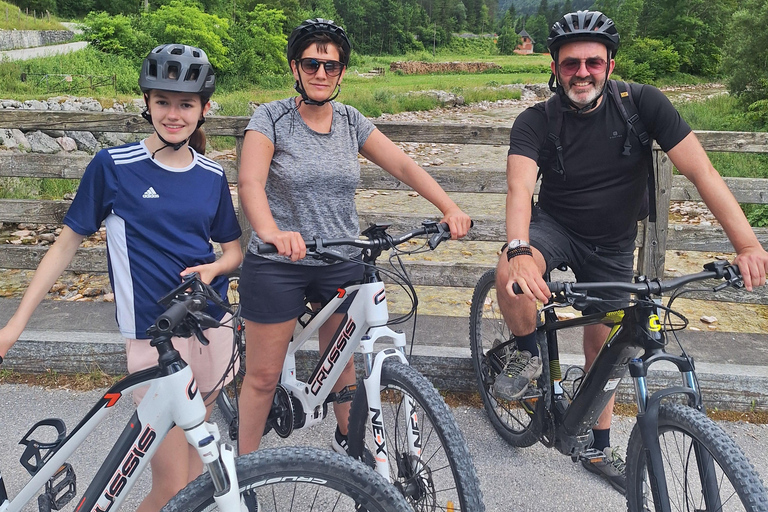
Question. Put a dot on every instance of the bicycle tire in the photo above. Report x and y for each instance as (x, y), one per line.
(299, 479)
(681, 428)
(444, 471)
(518, 422)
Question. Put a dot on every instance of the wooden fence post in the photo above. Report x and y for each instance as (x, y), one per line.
(652, 253)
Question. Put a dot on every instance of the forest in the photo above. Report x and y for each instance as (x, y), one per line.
(722, 40)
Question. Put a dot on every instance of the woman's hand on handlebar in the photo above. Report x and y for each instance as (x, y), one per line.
(458, 221)
(288, 243)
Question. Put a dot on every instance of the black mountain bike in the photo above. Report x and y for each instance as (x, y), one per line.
(677, 458)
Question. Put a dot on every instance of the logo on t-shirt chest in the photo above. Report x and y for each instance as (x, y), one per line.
(151, 194)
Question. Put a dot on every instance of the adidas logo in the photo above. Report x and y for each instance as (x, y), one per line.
(150, 194)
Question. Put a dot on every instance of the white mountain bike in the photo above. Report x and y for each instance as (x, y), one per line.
(282, 479)
(397, 416)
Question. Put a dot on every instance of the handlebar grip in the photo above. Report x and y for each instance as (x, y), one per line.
(175, 314)
(264, 248)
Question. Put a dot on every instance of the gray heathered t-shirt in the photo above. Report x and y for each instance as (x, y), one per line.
(313, 176)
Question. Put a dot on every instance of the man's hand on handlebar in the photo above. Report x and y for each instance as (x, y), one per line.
(753, 265)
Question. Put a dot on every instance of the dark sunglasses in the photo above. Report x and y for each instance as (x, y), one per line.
(331, 67)
(594, 65)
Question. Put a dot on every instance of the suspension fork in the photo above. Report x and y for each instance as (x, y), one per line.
(648, 423)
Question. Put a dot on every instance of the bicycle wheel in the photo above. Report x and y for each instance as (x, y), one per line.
(490, 340)
(703, 466)
(443, 476)
(299, 479)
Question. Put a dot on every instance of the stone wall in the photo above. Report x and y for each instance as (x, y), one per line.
(13, 39)
(54, 141)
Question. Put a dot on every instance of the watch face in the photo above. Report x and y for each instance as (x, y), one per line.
(516, 243)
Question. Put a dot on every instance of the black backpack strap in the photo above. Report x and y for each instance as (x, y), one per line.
(622, 97)
(554, 159)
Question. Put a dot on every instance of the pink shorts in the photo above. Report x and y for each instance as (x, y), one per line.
(208, 362)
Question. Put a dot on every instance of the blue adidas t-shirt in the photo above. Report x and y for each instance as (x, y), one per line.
(160, 220)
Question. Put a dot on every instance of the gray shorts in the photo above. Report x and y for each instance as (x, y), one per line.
(272, 292)
(590, 263)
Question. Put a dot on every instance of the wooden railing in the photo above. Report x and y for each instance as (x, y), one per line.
(652, 241)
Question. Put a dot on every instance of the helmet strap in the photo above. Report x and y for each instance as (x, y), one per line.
(176, 146)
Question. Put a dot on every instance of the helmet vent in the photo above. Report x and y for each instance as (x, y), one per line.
(193, 73)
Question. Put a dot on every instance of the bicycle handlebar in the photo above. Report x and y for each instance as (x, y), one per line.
(176, 314)
(646, 287)
(377, 238)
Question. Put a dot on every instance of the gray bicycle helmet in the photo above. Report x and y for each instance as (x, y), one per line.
(309, 28)
(584, 26)
(177, 68)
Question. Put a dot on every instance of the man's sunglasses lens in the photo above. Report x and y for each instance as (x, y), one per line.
(311, 66)
(571, 66)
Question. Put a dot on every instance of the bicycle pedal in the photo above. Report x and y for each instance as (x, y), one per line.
(59, 489)
(592, 456)
(346, 394)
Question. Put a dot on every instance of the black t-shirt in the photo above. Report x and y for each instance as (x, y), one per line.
(602, 193)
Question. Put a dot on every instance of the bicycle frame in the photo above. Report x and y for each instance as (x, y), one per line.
(172, 399)
(362, 325)
(636, 331)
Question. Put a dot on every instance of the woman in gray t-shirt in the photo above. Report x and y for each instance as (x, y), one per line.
(298, 175)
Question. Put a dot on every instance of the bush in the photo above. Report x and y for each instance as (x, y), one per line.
(646, 60)
(470, 46)
(116, 35)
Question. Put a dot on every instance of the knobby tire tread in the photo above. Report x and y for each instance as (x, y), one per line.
(344, 474)
(522, 437)
(727, 454)
(401, 376)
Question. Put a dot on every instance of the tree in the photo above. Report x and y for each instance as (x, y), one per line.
(184, 22)
(746, 52)
(257, 47)
(508, 38)
(538, 28)
(696, 29)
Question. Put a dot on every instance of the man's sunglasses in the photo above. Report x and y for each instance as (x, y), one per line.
(311, 66)
(594, 65)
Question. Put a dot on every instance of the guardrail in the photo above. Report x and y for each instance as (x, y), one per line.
(652, 241)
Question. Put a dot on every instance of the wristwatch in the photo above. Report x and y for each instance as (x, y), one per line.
(517, 247)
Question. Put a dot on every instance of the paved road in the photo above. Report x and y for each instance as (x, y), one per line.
(534, 478)
(42, 51)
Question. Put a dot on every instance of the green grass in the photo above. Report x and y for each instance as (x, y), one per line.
(11, 17)
(36, 188)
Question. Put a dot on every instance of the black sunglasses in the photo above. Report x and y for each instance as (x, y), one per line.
(311, 66)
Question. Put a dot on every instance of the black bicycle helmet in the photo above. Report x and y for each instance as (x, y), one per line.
(584, 26)
(317, 26)
(177, 68)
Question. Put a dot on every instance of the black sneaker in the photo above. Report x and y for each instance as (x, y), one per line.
(609, 465)
(340, 445)
(520, 370)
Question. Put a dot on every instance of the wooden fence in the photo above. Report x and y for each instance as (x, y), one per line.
(652, 240)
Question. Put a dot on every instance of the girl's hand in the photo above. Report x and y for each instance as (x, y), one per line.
(288, 243)
(207, 272)
(458, 221)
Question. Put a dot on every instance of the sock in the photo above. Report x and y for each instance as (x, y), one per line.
(528, 342)
(602, 438)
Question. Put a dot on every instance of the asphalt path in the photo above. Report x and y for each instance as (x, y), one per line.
(42, 51)
(535, 478)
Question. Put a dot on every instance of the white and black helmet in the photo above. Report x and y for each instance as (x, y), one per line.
(177, 68)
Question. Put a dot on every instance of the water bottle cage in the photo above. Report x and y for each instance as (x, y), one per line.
(33, 450)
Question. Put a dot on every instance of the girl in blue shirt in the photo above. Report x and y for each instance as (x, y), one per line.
(163, 203)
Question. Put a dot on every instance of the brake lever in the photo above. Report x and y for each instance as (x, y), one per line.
(441, 235)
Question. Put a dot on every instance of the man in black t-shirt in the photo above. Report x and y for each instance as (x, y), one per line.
(590, 200)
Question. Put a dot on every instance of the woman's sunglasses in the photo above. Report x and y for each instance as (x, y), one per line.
(331, 67)
(594, 65)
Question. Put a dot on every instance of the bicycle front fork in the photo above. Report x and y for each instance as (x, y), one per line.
(219, 461)
(648, 423)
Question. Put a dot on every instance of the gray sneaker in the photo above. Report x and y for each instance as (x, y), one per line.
(611, 467)
(517, 374)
